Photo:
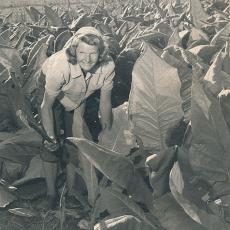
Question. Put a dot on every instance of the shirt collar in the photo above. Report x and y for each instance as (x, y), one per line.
(77, 72)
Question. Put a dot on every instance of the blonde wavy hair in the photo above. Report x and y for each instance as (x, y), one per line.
(90, 39)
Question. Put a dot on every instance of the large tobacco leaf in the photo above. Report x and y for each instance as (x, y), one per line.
(34, 171)
(18, 36)
(34, 69)
(13, 85)
(5, 37)
(191, 192)
(197, 35)
(10, 58)
(61, 40)
(205, 52)
(216, 79)
(121, 31)
(172, 216)
(111, 203)
(8, 18)
(226, 58)
(221, 35)
(52, 17)
(154, 37)
(185, 75)
(33, 13)
(124, 205)
(19, 45)
(154, 101)
(174, 39)
(13, 90)
(209, 154)
(224, 94)
(117, 168)
(22, 147)
(119, 139)
(160, 165)
(198, 14)
(130, 35)
(36, 47)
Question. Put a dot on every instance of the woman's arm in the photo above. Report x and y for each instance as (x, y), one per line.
(106, 109)
(47, 114)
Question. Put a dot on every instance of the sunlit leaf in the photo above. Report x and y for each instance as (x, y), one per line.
(117, 168)
(198, 13)
(119, 139)
(185, 75)
(24, 212)
(154, 102)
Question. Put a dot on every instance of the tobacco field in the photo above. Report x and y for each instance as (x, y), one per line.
(165, 164)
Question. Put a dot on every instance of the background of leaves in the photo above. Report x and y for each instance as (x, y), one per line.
(174, 36)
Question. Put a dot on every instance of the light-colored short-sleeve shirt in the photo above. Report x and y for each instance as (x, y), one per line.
(67, 82)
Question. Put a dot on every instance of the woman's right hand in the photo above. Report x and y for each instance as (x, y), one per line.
(51, 146)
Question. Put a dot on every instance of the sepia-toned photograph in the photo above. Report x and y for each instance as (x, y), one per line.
(115, 115)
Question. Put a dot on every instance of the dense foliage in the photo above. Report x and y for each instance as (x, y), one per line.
(165, 163)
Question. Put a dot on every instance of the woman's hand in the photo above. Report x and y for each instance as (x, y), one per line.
(51, 146)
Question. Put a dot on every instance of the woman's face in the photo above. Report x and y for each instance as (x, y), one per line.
(87, 56)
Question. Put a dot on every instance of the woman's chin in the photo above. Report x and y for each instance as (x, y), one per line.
(87, 68)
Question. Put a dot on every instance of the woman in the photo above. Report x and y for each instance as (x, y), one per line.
(71, 76)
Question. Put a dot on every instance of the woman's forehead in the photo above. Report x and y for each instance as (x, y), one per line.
(82, 46)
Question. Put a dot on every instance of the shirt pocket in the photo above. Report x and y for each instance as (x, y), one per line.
(75, 90)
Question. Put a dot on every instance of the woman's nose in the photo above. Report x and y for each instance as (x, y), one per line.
(88, 58)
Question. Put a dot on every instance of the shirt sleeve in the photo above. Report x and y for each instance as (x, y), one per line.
(110, 73)
(54, 77)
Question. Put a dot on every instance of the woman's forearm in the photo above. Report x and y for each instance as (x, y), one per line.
(47, 115)
(106, 117)
(48, 121)
(106, 110)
